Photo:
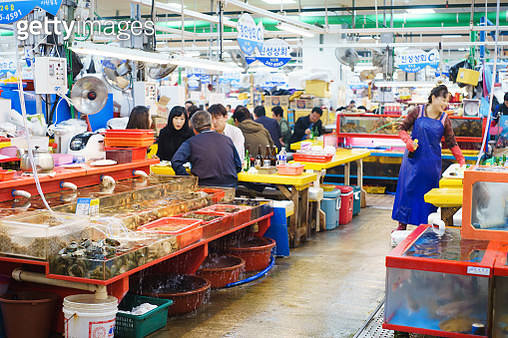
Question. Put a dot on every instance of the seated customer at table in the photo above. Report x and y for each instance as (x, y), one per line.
(270, 124)
(175, 133)
(285, 129)
(255, 134)
(308, 124)
(139, 118)
(212, 156)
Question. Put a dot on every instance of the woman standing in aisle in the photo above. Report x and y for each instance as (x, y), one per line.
(421, 165)
(175, 133)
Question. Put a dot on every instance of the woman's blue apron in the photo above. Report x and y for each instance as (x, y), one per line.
(421, 173)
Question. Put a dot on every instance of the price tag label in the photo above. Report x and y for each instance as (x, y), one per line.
(476, 270)
(87, 206)
(12, 11)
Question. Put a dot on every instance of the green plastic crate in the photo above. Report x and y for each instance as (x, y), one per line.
(133, 326)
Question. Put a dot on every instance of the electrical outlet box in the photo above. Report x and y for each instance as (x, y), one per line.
(50, 75)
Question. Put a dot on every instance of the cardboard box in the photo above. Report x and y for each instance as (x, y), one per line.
(282, 100)
(468, 76)
(317, 88)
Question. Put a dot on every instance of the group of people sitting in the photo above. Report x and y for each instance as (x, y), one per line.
(215, 142)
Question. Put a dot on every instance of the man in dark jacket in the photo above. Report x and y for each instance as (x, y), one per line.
(256, 136)
(307, 125)
(270, 124)
(213, 156)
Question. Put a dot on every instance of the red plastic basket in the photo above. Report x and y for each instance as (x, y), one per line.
(6, 175)
(129, 138)
(186, 230)
(216, 226)
(137, 133)
(216, 194)
(241, 214)
(312, 158)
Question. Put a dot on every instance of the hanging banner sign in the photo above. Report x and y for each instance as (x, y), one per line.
(250, 37)
(7, 68)
(12, 11)
(414, 60)
(275, 53)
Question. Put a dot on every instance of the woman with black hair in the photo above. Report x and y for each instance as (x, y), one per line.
(175, 133)
(139, 118)
(421, 165)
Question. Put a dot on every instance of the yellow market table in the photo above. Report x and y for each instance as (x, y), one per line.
(299, 225)
(343, 157)
(450, 183)
(448, 199)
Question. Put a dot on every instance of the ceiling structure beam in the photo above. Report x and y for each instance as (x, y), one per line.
(186, 12)
(275, 16)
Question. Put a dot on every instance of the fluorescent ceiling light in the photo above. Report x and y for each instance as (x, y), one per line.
(175, 5)
(293, 29)
(453, 36)
(420, 11)
(278, 2)
(315, 13)
(119, 52)
(206, 64)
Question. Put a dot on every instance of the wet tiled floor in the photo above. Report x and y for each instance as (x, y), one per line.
(328, 287)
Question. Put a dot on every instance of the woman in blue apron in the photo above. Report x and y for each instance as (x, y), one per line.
(421, 165)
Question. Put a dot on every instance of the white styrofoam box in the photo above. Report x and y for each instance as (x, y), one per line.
(145, 93)
(316, 194)
(176, 94)
(50, 75)
(5, 108)
(288, 205)
(398, 236)
(454, 171)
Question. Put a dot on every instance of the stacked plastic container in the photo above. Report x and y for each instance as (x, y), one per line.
(331, 205)
(346, 202)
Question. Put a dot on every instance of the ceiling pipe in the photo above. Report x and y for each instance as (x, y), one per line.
(406, 30)
(275, 16)
(444, 44)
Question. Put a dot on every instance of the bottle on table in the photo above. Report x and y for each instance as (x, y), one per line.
(273, 156)
(258, 162)
(246, 163)
(282, 157)
(266, 159)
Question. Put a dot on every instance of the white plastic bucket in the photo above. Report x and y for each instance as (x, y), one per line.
(88, 317)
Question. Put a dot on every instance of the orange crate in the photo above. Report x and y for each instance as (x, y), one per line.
(186, 230)
(293, 170)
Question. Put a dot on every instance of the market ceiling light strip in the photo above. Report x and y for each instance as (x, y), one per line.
(186, 12)
(119, 52)
(293, 29)
(275, 16)
(205, 64)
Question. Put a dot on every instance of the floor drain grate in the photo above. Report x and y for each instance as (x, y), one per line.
(374, 326)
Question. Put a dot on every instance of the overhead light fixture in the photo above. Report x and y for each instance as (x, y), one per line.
(88, 48)
(276, 16)
(452, 36)
(278, 2)
(420, 11)
(206, 64)
(175, 5)
(314, 13)
(293, 29)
